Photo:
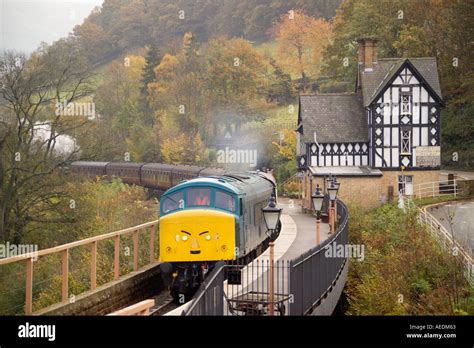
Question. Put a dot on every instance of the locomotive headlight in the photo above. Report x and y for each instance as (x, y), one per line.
(177, 238)
(208, 237)
(185, 238)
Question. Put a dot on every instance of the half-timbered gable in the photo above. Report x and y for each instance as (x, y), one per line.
(403, 112)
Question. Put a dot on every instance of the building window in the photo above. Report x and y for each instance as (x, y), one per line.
(405, 142)
(405, 184)
(406, 104)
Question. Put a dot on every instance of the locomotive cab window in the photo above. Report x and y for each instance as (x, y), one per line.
(199, 197)
(225, 201)
(173, 202)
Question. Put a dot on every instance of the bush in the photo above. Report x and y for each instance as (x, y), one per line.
(405, 270)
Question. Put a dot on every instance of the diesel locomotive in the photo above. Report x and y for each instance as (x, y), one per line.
(206, 220)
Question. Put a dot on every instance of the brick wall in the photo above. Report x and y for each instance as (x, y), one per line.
(130, 289)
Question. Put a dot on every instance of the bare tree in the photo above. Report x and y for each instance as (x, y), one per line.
(30, 159)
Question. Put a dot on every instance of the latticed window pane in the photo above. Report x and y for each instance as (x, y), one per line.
(406, 142)
(406, 105)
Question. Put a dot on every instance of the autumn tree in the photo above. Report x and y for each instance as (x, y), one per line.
(176, 95)
(236, 78)
(184, 149)
(301, 40)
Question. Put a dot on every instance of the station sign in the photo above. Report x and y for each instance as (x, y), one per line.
(428, 156)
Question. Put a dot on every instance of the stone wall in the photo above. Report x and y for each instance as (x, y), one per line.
(367, 192)
(130, 289)
(466, 188)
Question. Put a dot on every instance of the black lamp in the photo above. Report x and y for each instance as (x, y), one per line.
(332, 190)
(271, 215)
(317, 199)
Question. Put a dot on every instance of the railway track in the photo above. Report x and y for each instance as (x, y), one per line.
(163, 304)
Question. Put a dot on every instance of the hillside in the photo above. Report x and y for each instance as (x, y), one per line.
(119, 25)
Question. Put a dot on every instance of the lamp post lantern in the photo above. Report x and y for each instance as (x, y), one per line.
(317, 199)
(271, 215)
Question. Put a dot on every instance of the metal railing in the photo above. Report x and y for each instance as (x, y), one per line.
(209, 299)
(313, 274)
(435, 189)
(247, 289)
(436, 229)
(440, 233)
(292, 184)
(65, 250)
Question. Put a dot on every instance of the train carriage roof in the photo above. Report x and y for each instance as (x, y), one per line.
(88, 164)
(158, 166)
(124, 165)
(212, 171)
(188, 169)
(247, 184)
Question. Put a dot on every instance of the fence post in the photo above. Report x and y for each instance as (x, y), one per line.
(135, 250)
(65, 273)
(117, 257)
(93, 265)
(152, 244)
(433, 189)
(29, 287)
(455, 188)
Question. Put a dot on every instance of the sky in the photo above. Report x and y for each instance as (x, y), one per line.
(24, 24)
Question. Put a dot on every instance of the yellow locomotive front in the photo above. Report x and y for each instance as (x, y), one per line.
(197, 235)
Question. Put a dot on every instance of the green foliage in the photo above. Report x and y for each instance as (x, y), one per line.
(152, 60)
(405, 271)
(457, 131)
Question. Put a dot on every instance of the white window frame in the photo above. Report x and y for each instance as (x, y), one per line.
(405, 101)
(405, 141)
(405, 184)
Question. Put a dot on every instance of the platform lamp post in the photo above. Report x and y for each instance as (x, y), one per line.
(332, 191)
(317, 199)
(271, 215)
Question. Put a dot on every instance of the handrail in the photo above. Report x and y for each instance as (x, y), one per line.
(290, 179)
(64, 249)
(329, 271)
(77, 243)
(321, 246)
(436, 188)
(219, 267)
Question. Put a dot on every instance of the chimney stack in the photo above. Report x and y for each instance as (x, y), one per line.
(367, 53)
